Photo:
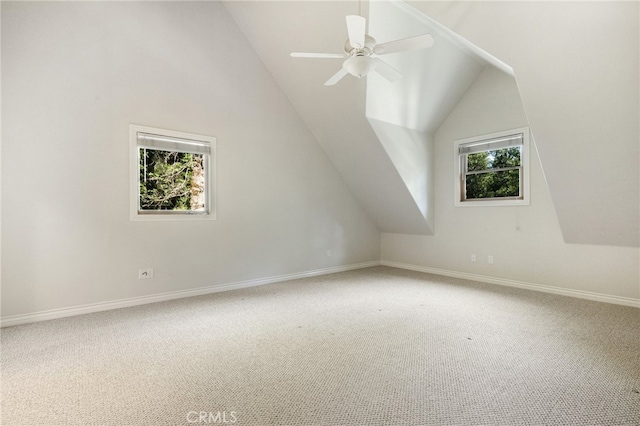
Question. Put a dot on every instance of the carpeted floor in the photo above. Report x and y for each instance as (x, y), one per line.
(377, 346)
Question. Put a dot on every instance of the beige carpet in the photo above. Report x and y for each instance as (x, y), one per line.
(377, 346)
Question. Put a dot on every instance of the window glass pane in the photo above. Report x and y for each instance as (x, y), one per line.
(171, 180)
(497, 159)
(496, 184)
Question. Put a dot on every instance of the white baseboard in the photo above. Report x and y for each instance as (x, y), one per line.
(12, 320)
(598, 297)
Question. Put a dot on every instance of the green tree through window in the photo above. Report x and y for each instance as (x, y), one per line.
(171, 180)
(493, 173)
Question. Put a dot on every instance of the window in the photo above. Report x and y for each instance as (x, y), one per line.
(492, 170)
(171, 175)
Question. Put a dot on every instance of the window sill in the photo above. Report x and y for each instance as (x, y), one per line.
(171, 217)
(492, 203)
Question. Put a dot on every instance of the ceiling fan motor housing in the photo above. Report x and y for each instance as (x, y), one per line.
(366, 50)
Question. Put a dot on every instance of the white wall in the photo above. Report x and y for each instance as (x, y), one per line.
(526, 241)
(74, 75)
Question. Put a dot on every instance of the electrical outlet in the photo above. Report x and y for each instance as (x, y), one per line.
(490, 260)
(473, 257)
(145, 274)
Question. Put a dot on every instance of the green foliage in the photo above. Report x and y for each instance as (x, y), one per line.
(166, 179)
(493, 183)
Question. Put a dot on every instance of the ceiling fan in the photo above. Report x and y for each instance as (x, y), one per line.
(361, 52)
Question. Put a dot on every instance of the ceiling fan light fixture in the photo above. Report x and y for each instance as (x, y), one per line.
(359, 66)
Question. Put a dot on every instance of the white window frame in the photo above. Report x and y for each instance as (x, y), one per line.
(134, 178)
(458, 171)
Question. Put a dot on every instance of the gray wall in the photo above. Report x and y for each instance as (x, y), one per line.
(74, 76)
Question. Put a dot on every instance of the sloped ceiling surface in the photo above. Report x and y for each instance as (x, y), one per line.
(377, 137)
(576, 64)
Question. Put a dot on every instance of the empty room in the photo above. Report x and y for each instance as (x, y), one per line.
(306, 213)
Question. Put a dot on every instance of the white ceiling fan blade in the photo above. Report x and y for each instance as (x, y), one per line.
(387, 71)
(423, 41)
(336, 77)
(317, 55)
(356, 27)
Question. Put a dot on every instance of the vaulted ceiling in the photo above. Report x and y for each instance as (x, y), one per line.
(379, 135)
